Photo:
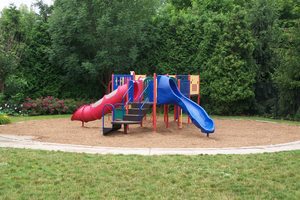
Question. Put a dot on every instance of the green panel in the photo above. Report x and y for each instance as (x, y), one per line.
(119, 114)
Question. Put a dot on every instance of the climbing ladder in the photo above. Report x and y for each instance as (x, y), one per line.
(134, 115)
(130, 112)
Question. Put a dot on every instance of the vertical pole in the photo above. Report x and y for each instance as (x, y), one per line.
(154, 101)
(189, 78)
(112, 87)
(178, 108)
(82, 123)
(175, 107)
(126, 81)
(175, 112)
(167, 108)
(199, 91)
(164, 113)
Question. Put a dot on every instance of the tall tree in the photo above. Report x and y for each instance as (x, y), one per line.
(11, 43)
(92, 39)
(263, 18)
(287, 76)
(229, 72)
(42, 77)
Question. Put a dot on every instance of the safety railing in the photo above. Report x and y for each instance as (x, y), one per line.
(125, 104)
(141, 95)
(103, 113)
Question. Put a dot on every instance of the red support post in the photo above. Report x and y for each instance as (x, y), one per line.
(175, 108)
(199, 92)
(178, 108)
(154, 101)
(189, 78)
(175, 112)
(112, 86)
(166, 115)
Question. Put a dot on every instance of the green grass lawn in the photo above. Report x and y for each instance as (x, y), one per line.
(258, 119)
(26, 118)
(29, 174)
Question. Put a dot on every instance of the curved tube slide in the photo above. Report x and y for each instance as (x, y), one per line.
(94, 111)
(168, 93)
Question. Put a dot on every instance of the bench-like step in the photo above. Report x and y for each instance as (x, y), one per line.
(138, 105)
(137, 111)
(132, 117)
(126, 122)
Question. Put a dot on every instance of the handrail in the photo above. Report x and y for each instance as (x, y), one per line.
(144, 103)
(140, 108)
(139, 99)
(103, 109)
(127, 91)
(108, 104)
(146, 100)
(126, 103)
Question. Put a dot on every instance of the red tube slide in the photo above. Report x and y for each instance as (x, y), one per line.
(94, 111)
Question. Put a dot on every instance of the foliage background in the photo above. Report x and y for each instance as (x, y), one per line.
(246, 52)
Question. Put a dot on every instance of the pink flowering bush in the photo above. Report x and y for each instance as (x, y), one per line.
(49, 106)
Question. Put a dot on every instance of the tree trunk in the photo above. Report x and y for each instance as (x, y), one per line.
(1, 86)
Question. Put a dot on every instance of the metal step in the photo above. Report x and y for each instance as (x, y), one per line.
(132, 117)
(126, 122)
(138, 105)
(137, 111)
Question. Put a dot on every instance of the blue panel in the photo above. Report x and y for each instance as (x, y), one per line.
(184, 85)
(185, 88)
(182, 77)
(131, 91)
(149, 91)
(121, 79)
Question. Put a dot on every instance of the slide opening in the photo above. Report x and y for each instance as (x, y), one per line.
(174, 87)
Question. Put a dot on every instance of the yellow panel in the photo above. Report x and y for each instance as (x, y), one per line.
(194, 84)
(174, 76)
(137, 76)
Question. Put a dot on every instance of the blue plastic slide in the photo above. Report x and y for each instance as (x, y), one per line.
(168, 93)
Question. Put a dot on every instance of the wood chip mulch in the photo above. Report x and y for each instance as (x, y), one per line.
(229, 133)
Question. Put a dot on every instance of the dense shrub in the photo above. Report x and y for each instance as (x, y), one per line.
(11, 108)
(246, 52)
(50, 105)
(4, 119)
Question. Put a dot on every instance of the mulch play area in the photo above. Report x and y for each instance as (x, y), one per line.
(229, 133)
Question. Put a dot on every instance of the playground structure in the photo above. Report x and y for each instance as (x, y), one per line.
(133, 96)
